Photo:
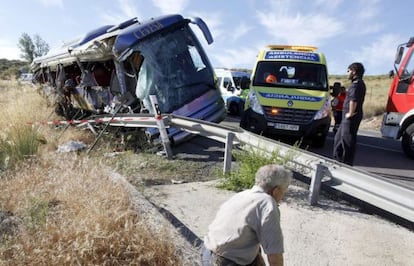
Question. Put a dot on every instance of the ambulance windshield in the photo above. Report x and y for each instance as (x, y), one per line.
(291, 74)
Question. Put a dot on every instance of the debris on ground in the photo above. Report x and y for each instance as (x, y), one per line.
(71, 146)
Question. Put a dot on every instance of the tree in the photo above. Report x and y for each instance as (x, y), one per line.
(32, 47)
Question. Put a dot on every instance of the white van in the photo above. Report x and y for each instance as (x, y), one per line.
(232, 84)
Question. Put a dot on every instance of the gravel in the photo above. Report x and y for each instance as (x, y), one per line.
(332, 233)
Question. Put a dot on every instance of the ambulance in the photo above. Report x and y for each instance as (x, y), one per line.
(289, 94)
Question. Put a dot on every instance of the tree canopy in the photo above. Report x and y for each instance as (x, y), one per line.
(32, 47)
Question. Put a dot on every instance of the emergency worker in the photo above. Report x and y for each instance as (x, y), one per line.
(346, 136)
(249, 220)
(338, 97)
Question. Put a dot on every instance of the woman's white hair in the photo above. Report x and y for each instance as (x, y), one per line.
(272, 175)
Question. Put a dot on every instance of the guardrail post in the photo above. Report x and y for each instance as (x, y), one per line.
(315, 185)
(161, 127)
(227, 152)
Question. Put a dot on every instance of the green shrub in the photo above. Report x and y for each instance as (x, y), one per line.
(249, 160)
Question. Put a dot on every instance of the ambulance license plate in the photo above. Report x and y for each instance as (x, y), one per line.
(287, 127)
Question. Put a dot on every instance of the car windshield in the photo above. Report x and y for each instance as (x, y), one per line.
(174, 68)
(237, 80)
(291, 74)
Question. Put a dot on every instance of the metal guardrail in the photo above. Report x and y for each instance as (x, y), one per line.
(362, 185)
(367, 187)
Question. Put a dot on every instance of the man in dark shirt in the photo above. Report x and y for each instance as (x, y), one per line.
(345, 138)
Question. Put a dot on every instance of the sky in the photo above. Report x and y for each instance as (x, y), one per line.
(366, 31)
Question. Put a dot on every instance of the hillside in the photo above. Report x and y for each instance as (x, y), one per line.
(11, 69)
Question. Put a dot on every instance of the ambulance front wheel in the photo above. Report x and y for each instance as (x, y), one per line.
(252, 122)
(319, 141)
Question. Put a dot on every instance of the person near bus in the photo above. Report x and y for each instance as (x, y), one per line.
(346, 136)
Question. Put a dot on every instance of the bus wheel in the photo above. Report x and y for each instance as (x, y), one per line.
(407, 142)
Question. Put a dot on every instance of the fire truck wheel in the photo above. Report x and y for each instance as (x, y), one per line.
(407, 142)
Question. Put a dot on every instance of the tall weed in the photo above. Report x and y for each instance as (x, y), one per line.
(249, 160)
(20, 142)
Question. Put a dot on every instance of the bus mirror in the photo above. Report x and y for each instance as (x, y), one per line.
(203, 27)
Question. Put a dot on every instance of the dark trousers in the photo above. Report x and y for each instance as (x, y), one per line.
(337, 119)
(345, 140)
(208, 258)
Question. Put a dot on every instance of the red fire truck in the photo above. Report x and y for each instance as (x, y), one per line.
(398, 120)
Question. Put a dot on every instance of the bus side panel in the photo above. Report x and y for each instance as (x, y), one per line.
(208, 107)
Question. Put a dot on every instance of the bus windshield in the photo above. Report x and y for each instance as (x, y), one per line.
(174, 68)
(291, 74)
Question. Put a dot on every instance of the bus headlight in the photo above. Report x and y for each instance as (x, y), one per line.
(254, 103)
(324, 111)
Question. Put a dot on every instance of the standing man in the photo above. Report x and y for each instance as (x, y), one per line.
(345, 138)
(248, 220)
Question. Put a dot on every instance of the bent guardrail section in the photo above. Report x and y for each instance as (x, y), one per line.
(362, 185)
(367, 187)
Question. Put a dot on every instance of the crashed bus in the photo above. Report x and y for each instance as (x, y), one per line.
(115, 68)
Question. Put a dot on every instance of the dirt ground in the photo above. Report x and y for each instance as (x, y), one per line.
(329, 234)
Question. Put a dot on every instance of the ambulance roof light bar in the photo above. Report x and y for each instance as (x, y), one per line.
(302, 48)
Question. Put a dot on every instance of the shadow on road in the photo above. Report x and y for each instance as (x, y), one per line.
(200, 149)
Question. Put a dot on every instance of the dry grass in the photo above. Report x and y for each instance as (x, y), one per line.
(63, 209)
(24, 107)
(72, 213)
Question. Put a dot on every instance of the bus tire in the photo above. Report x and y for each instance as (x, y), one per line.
(407, 142)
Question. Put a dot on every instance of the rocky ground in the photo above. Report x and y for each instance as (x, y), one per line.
(332, 233)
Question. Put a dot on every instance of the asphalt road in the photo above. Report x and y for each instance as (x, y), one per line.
(374, 154)
(380, 156)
